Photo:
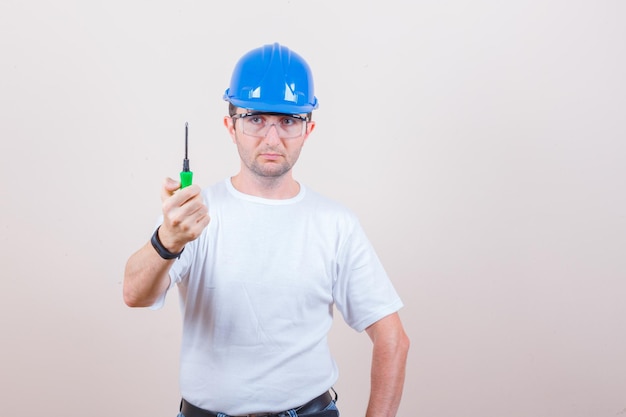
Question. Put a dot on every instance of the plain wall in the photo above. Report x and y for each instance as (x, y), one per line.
(482, 145)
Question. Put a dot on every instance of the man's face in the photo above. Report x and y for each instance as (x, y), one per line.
(271, 155)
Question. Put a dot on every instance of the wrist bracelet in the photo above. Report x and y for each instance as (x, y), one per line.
(161, 250)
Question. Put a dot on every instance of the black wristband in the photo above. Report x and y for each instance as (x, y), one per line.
(158, 246)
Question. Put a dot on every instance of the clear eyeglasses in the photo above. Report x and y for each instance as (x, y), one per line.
(257, 124)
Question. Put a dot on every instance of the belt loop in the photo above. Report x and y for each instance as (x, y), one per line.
(336, 395)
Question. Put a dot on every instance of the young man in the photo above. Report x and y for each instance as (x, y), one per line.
(260, 260)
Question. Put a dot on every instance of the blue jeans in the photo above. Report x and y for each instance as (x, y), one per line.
(331, 406)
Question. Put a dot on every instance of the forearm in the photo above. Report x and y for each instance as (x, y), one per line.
(389, 357)
(145, 277)
(184, 218)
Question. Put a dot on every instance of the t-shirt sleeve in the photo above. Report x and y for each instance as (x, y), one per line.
(362, 291)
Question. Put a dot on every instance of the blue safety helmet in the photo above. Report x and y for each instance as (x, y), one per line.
(272, 78)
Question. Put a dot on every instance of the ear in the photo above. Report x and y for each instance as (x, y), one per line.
(310, 126)
(229, 124)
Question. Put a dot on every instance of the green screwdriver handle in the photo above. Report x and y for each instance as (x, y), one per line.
(185, 178)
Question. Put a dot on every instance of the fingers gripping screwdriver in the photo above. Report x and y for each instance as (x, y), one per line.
(186, 176)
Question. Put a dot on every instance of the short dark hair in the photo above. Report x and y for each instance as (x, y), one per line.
(232, 109)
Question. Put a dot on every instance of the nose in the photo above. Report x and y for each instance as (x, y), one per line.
(272, 135)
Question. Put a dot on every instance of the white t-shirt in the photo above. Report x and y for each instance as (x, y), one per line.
(257, 290)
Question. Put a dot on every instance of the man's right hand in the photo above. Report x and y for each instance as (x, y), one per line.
(184, 215)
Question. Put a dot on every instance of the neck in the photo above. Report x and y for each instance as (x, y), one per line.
(275, 188)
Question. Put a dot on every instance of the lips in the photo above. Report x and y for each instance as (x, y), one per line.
(271, 156)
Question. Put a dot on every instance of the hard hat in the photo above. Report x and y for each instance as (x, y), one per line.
(272, 78)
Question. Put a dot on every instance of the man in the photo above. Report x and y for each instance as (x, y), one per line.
(259, 261)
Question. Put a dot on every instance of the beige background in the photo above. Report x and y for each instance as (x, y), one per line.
(481, 143)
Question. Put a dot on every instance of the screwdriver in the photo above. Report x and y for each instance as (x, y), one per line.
(186, 175)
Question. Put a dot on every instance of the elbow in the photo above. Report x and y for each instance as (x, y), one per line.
(134, 298)
(131, 295)
(130, 301)
(405, 344)
(134, 292)
(130, 298)
(402, 345)
(133, 301)
(389, 336)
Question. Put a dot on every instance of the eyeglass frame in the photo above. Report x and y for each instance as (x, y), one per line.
(305, 119)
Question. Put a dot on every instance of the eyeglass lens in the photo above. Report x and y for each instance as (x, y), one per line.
(259, 125)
